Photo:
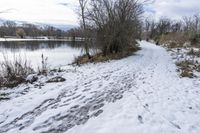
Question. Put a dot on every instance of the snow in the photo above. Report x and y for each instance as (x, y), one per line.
(141, 93)
(18, 39)
(23, 39)
(42, 38)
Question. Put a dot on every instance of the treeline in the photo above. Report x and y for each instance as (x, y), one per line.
(176, 31)
(10, 28)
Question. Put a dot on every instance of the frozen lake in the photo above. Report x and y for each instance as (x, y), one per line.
(58, 53)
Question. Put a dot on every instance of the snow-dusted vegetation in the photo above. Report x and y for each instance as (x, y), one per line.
(187, 60)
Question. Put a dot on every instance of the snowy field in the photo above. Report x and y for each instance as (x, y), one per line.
(139, 94)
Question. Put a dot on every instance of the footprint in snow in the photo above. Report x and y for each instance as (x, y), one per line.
(140, 119)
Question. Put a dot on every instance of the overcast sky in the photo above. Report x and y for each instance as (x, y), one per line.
(53, 11)
(174, 9)
(44, 11)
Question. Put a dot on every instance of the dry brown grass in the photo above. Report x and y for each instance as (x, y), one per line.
(187, 68)
(102, 58)
(195, 41)
(14, 72)
(174, 40)
(187, 73)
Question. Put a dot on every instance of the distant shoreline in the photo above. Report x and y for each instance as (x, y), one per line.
(16, 39)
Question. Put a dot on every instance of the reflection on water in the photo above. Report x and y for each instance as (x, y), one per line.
(58, 53)
(35, 45)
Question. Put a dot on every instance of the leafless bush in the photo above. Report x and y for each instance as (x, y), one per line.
(112, 25)
(14, 72)
(117, 22)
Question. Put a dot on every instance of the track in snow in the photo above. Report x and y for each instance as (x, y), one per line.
(141, 93)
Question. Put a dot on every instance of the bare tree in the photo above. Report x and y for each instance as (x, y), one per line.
(164, 26)
(197, 23)
(147, 24)
(192, 25)
(176, 26)
(83, 8)
(186, 29)
(148, 29)
(31, 30)
(10, 28)
(117, 23)
(20, 32)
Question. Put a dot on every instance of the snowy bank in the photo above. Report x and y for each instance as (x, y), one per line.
(141, 93)
(19, 39)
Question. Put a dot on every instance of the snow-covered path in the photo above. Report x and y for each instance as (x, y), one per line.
(142, 93)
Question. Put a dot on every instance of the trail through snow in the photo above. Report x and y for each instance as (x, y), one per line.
(142, 93)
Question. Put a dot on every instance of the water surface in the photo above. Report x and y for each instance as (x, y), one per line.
(58, 53)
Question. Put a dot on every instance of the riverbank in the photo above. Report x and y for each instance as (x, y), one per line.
(141, 93)
(100, 57)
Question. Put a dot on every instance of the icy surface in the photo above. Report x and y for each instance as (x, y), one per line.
(139, 94)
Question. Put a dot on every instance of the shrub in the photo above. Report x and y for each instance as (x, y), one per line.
(117, 24)
(186, 67)
(14, 72)
(194, 41)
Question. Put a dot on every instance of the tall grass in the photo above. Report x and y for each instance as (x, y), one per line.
(14, 72)
(43, 70)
